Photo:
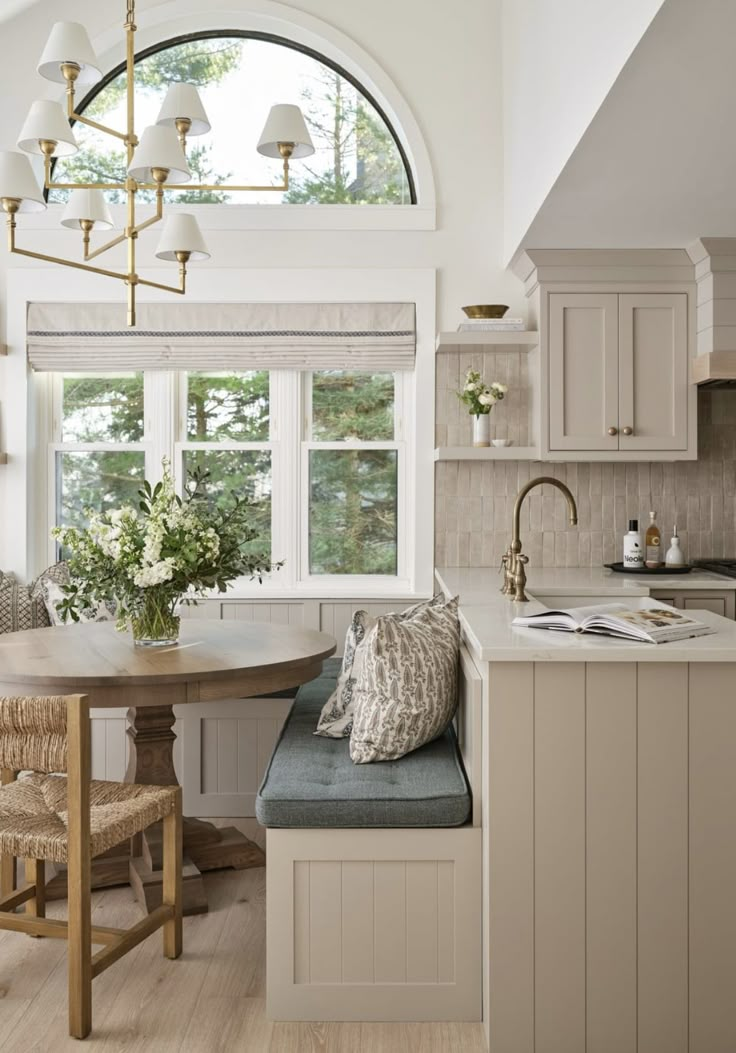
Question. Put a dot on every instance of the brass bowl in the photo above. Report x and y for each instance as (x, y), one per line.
(486, 310)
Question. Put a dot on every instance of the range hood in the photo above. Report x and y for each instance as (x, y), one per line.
(714, 369)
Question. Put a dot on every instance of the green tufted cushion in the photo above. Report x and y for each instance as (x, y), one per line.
(311, 781)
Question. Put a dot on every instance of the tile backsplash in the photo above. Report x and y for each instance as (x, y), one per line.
(474, 500)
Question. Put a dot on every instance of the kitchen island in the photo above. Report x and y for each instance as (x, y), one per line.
(609, 805)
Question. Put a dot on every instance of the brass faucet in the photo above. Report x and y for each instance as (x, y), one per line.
(514, 561)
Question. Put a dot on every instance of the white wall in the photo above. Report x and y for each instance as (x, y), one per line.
(560, 60)
(445, 70)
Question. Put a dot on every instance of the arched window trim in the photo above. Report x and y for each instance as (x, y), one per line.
(271, 38)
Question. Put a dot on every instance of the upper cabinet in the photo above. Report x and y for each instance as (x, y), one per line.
(616, 338)
(582, 392)
(618, 372)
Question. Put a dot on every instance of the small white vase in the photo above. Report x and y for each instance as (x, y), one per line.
(482, 429)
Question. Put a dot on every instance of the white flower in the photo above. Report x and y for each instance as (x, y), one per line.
(155, 575)
(502, 388)
(487, 398)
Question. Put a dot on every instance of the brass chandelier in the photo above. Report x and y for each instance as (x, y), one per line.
(157, 161)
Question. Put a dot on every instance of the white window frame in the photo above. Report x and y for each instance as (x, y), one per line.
(165, 431)
(357, 582)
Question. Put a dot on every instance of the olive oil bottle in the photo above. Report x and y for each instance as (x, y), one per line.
(653, 544)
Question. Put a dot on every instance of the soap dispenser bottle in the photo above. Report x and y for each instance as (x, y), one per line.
(633, 549)
(674, 556)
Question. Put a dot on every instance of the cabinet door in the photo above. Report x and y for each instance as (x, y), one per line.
(583, 371)
(719, 601)
(653, 366)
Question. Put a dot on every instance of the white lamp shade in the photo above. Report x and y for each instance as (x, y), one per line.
(68, 42)
(87, 205)
(285, 124)
(182, 234)
(47, 120)
(159, 148)
(183, 101)
(17, 181)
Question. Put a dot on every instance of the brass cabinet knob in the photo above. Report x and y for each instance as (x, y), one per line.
(613, 431)
(628, 431)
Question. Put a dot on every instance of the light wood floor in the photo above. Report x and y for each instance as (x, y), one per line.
(211, 999)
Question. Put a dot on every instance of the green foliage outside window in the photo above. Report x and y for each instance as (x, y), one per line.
(357, 160)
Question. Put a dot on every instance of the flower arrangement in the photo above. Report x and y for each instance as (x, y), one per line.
(146, 560)
(479, 397)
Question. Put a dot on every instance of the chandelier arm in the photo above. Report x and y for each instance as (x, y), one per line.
(181, 288)
(103, 248)
(98, 127)
(68, 263)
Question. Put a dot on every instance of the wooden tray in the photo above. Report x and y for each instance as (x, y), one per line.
(620, 568)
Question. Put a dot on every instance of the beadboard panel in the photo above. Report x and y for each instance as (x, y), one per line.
(374, 924)
(383, 937)
(612, 866)
(474, 500)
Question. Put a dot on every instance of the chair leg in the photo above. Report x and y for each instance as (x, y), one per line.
(8, 866)
(79, 868)
(172, 885)
(36, 875)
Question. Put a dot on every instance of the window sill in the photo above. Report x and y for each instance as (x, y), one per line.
(295, 593)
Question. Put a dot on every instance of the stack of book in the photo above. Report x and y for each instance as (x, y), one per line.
(491, 325)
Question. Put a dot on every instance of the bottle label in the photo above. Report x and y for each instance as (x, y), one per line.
(633, 555)
(653, 550)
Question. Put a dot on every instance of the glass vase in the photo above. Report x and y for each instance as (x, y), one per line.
(155, 624)
(482, 429)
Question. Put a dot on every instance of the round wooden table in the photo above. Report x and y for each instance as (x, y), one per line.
(213, 660)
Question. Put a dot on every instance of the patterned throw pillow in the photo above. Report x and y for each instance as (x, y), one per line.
(336, 719)
(407, 692)
(19, 609)
(48, 586)
(52, 578)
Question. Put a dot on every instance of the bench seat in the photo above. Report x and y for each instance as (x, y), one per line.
(311, 781)
(373, 872)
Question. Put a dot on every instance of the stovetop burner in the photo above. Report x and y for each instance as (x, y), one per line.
(726, 567)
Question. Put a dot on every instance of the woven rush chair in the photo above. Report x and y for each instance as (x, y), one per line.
(68, 818)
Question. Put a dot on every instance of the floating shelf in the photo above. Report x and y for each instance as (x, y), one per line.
(486, 453)
(521, 340)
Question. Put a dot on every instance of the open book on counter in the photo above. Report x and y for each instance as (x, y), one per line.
(654, 623)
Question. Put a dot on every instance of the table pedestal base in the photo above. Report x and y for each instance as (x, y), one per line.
(206, 847)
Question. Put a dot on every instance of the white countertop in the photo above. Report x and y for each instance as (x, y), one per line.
(475, 584)
(486, 616)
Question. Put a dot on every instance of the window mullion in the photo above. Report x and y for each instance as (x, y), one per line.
(285, 432)
(161, 417)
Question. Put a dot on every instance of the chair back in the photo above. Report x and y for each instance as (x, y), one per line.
(33, 732)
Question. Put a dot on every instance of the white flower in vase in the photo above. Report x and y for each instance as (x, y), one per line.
(480, 398)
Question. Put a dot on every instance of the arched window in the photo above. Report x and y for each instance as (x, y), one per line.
(358, 158)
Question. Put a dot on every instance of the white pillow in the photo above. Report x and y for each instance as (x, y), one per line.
(407, 691)
(336, 719)
(54, 594)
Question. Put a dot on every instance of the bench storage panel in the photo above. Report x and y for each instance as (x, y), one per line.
(383, 925)
(368, 922)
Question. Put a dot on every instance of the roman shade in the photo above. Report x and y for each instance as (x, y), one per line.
(93, 337)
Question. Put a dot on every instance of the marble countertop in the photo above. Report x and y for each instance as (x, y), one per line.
(474, 584)
(486, 616)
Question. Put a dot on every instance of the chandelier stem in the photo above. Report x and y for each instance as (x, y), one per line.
(131, 232)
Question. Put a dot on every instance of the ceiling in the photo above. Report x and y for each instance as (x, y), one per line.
(657, 166)
(9, 8)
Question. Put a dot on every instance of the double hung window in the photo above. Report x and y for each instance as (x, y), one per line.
(322, 456)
